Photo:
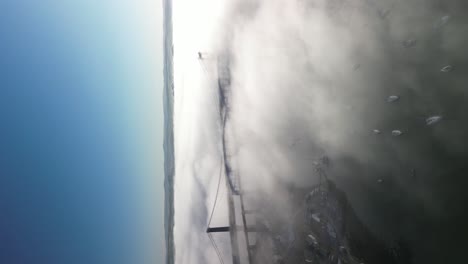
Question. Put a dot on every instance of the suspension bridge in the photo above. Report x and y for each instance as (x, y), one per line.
(239, 229)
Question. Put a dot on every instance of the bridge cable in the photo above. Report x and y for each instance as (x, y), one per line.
(216, 196)
(216, 248)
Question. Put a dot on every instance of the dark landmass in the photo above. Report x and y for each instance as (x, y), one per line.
(324, 229)
(169, 167)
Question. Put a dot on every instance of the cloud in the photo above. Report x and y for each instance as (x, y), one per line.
(311, 78)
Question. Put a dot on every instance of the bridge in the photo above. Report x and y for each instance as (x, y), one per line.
(236, 228)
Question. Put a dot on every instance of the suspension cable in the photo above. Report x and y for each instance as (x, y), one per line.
(216, 196)
(216, 248)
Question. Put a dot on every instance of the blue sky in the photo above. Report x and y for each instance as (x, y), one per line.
(81, 132)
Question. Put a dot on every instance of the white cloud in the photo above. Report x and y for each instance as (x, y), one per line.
(310, 78)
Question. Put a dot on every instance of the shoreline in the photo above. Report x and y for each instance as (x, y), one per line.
(168, 105)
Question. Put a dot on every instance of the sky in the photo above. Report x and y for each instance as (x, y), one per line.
(81, 155)
(312, 78)
(196, 132)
